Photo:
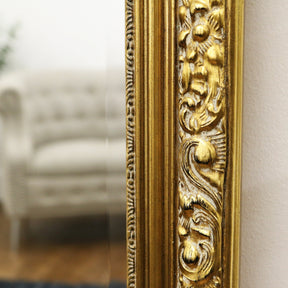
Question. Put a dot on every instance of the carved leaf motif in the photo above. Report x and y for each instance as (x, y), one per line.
(187, 2)
(182, 14)
(186, 75)
(199, 6)
(191, 53)
(216, 18)
(182, 37)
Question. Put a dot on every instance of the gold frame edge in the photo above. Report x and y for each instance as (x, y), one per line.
(151, 58)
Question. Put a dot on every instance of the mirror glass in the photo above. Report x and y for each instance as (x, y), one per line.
(62, 137)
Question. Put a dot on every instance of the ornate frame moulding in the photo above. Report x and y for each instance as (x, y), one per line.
(184, 106)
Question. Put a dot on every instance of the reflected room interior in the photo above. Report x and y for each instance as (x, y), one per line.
(62, 107)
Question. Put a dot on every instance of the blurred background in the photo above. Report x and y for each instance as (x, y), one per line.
(62, 137)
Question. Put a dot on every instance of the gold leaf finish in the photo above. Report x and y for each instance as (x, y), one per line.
(130, 145)
(202, 142)
(183, 107)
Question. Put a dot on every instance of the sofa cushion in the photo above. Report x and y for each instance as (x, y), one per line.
(79, 156)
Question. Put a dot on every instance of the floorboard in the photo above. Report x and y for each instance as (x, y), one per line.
(68, 251)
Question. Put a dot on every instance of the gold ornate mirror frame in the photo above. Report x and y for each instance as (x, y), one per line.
(184, 93)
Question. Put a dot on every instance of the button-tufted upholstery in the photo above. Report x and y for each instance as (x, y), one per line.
(65, 106)
(63, 143)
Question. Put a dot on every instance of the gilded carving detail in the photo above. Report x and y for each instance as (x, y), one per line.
(202, 141)
(130, 143)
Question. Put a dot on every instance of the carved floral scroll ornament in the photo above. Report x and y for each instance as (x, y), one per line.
(202, 141)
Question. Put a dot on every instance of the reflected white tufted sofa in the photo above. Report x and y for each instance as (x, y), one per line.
(55, 155)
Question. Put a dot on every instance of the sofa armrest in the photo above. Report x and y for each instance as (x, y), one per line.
(15, 148)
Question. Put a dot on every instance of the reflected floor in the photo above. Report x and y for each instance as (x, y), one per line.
(68, 251)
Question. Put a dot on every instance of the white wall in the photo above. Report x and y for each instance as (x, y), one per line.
(265, 146)
(66, 34)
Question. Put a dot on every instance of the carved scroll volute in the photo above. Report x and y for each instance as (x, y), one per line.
(202, 141)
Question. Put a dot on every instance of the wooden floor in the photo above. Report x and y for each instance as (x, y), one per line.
(65, 251)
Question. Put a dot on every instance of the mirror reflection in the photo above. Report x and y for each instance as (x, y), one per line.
(62, 136)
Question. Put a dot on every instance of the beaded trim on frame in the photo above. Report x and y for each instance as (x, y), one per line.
(130, 144)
